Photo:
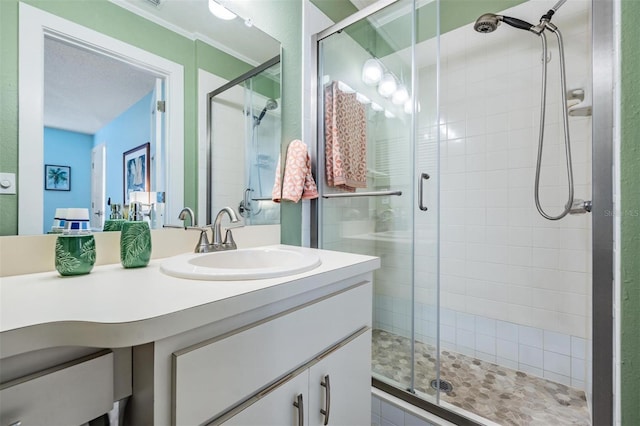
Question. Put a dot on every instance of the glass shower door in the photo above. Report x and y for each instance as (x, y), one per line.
(369, 179)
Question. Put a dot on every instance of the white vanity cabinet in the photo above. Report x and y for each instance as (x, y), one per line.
(333, 391)
(71, 393)
(254, 374)
(188, 352)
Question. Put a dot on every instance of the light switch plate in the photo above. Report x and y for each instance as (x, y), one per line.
(7, 183)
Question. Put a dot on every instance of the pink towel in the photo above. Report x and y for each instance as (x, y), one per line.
(297, 182)
(345, 140)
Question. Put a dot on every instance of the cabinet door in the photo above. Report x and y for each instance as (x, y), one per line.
(277, 407)
(345, 398)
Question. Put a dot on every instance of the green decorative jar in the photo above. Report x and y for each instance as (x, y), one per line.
(75, 254)
(113, 225)
(135, 244)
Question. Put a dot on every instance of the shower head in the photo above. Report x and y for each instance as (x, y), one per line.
(489, 22)
(486, 23)
(269, 106)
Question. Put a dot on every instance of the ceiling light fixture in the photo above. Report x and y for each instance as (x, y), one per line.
(220, 11)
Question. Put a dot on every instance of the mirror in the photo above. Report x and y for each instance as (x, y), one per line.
(96, 109)
(244, 125)
(131, 78)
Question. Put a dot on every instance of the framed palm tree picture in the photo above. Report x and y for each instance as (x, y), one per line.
(57, 178)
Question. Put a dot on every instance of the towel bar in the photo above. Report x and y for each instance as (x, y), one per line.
(362, 194)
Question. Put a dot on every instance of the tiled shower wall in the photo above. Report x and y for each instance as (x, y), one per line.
(499, 258)
(514, 287)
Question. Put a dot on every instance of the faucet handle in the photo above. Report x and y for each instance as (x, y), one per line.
(203, 242)
(228, 240)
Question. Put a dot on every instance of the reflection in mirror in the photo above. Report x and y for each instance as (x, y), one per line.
(244, 124)
(96, 109)
(81, 105)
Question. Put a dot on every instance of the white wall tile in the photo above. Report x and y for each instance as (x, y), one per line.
(530, 356)
(557, 342)
(486, 344)
(486, 326)
(465, 339)
(411, 420)
(558, 378)
(507, 331)
(557, 363)
(530, 336)
(578, 369)
(375, 405)
(578, 347)
(391, 413)
(534, 371)
(507, 350)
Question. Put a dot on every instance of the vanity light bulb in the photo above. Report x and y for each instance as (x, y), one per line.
(387, 85)
(400, 96)
(220, 11)
(371, 72)
(376, 107)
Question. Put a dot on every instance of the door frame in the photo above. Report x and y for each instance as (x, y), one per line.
(34, 25)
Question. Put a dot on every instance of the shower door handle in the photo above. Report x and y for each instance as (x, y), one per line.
(423, 177)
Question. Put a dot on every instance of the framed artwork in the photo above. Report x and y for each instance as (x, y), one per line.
(135, 171)
(57, 178)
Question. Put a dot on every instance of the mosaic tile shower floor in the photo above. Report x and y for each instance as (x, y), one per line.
(500, 394)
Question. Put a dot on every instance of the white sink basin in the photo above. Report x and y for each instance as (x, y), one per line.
(242, 264)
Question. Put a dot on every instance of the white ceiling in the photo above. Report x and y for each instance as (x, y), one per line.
(84, 90)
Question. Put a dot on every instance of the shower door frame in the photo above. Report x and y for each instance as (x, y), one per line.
(209, 164)
(604, 334)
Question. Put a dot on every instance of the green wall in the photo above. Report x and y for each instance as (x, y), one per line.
(282, 19)
(107, 18)
(630, 213)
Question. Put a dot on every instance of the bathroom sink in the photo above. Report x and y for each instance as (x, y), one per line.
(242, 264)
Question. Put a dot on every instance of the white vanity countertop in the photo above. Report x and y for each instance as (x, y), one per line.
(116, 307)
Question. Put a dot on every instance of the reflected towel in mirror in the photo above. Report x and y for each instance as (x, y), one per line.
(297, 182)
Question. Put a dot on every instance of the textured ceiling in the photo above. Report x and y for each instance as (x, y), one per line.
(85, 90)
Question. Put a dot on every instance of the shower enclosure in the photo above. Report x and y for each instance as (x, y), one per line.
(242, 164)
(482, 307)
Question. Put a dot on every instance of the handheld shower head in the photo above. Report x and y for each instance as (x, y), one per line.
(269, 106)
(489, 22)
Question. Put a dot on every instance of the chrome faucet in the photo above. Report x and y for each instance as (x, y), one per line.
(184, 213)
(228, 243)
(203, 245)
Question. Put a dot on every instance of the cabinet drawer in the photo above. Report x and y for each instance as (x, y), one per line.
(215, 375)
(71, 393)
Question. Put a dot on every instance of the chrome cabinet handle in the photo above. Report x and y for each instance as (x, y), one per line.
(423, 177)
(327, 392)
(298, 403)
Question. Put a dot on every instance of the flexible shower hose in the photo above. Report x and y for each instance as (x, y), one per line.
(565, 116)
